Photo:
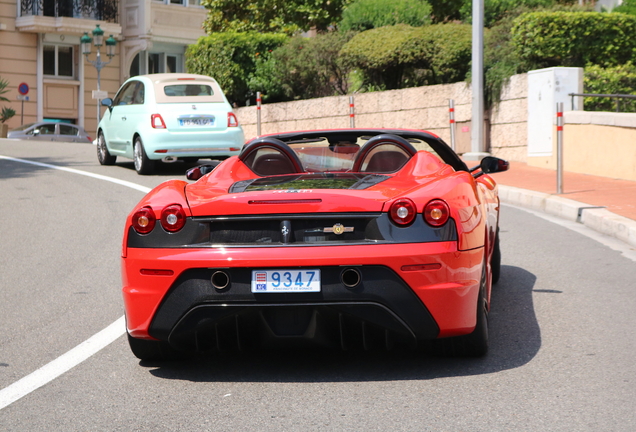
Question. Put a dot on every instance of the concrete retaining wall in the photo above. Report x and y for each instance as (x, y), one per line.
(414, 108)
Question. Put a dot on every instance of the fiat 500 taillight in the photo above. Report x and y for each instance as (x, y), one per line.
(232, 121)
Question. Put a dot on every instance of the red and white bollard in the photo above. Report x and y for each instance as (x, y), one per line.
(559, 147)
(451, 113)
(258, 113)
(352, 113)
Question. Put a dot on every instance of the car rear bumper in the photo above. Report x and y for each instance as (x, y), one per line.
(400, 293)
(164, 143)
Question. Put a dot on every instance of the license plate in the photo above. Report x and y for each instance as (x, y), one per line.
(196, 121)
(285, 281)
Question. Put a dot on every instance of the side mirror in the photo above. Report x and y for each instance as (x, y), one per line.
(108, 102)
(491, 164)
(197, 172)
(36, 132)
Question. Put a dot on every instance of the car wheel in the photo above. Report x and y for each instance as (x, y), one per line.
(495, 262)
(103, 155)
(143, 165)
(474, 344)
(145, 349)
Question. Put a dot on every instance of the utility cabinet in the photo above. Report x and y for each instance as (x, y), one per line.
(546, 88)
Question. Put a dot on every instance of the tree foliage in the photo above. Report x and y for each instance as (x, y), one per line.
(231, 59)
(5, 113)
(446, 10)
(495, 10)
(364, 15)
(628, 7)
(284, 16)
(613, 80)
(547, 39)
(303, 68)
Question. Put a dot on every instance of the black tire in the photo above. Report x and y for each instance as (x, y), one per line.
(143, 165)
(474, 344)
(103, 155)
(145, 349)
(495, 262)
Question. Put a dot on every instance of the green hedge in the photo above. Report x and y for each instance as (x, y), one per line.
(364, 15)
(231, 59)
(614, 80)
(303, 68)
(402, 56)
(628, 7)
(547, 39)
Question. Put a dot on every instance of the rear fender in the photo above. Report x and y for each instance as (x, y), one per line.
(167, 193)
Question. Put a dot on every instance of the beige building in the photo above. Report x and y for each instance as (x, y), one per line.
(40, 47)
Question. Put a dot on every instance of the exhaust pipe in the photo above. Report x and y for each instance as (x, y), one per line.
(169, 159)
(351, 277)
(220, 280)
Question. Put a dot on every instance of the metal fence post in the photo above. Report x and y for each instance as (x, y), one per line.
(560, 148)
(352, 113)
(258, 113)
(451, 112)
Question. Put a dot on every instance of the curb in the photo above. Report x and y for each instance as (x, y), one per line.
(596, 218)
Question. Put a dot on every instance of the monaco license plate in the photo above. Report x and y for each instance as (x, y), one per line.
(196, 121)
(285, 281)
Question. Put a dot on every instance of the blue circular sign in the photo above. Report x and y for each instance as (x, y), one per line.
(23, 88)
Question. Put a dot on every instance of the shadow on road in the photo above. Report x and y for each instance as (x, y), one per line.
(514, 340)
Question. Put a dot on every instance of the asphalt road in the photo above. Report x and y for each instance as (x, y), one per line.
(562, 332)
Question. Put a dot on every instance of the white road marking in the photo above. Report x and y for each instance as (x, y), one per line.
(63, 363)
(131, 185)
(86, 349)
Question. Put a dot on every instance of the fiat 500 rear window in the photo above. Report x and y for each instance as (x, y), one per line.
(188, 90)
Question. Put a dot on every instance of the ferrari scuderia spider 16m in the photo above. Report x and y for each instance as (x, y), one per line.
(351, 238)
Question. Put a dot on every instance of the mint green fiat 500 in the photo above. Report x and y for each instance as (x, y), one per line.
(168, 117)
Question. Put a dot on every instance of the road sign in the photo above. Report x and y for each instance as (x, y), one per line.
(23, 88)
(22, 97)
(100, 94)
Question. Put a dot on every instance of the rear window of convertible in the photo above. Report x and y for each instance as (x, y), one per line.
(300, 182)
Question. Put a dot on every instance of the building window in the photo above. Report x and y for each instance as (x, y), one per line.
(154, 63)
(150, 63)
(59, 61)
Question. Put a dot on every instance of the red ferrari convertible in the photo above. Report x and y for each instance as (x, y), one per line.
(353, 238)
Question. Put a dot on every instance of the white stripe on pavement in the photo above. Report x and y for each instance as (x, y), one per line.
(65, 362)
(84, 173)
(86, 349)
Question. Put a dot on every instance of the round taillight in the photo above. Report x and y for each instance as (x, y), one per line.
(173, 218)
(436, 213)
(403, 212)
(143, 220)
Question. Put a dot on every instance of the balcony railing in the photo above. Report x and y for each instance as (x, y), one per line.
(104, 10)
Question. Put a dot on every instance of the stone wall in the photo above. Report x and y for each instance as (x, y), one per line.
(414, 108)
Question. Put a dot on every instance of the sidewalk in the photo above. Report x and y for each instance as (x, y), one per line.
(604, 204)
